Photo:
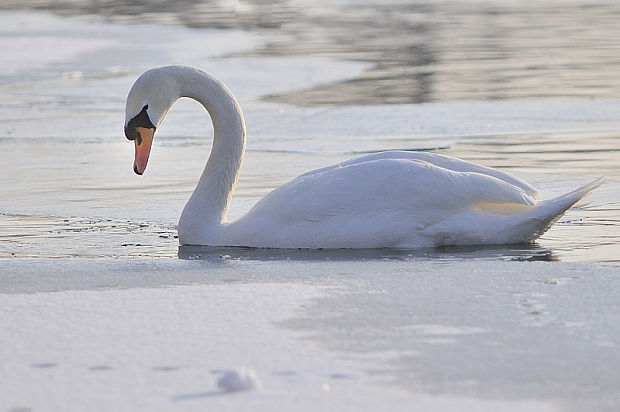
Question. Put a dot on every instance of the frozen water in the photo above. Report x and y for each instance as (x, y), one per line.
(151, 334)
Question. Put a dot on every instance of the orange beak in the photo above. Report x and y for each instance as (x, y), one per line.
(143, 149)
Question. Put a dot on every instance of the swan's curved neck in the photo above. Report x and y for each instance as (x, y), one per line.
(208, 206)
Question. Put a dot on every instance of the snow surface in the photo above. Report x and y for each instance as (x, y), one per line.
(358, 335)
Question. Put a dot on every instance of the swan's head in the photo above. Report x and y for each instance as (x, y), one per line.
(148, 102)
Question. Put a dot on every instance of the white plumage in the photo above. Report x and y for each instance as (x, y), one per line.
(393, 199)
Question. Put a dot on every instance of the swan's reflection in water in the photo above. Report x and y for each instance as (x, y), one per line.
(518, 252)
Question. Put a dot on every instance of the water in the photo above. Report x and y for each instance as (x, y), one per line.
(533, 90)
(64, 110)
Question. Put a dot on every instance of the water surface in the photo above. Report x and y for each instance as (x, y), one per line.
(491, 66)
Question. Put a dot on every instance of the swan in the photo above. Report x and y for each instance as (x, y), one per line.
(394, 199)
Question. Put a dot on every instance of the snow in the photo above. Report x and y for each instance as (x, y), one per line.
(358, 335)
(241, 379)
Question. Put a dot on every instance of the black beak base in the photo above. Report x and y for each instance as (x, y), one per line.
(140, 120)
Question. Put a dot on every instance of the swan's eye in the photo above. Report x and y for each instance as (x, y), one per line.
(140, 120)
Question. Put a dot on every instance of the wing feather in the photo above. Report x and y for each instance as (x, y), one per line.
(399, 186)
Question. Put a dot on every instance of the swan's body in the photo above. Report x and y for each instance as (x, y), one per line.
(389, 199)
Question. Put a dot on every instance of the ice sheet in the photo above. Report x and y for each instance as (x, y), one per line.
(348, 335)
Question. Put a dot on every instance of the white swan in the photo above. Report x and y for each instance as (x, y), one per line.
(391, 199)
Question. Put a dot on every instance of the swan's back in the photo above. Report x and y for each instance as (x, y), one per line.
(392, 199)
(443, 161)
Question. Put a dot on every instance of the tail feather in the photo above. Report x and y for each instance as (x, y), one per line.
(547, 212)
(565, 201)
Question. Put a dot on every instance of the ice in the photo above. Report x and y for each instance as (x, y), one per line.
(157, 335)
(88, 44)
